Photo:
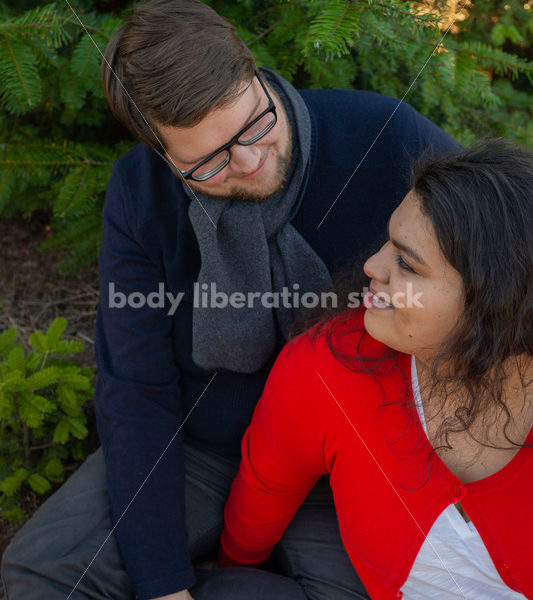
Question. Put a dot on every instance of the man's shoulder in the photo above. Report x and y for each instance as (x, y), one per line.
(135, 160)
(144, 185)
(349, 120)
(348, 102)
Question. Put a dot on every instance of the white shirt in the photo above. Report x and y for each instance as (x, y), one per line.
(453, 563)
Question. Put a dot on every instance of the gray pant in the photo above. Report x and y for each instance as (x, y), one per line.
(54, 549)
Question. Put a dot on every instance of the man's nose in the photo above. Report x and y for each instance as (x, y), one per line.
(245, 159)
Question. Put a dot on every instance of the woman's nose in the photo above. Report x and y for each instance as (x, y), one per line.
(376, 266)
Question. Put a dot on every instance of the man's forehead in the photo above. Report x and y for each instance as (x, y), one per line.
(192, 144)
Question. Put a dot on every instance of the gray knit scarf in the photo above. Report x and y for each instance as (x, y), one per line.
(254, 248)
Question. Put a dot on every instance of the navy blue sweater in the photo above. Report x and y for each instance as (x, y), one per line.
(147, 382)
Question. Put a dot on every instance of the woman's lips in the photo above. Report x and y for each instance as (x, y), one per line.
(376, 300)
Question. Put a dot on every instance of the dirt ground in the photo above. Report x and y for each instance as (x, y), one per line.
(32, 294)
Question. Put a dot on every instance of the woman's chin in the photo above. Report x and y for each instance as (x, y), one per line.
(375, 326)
(379, 326)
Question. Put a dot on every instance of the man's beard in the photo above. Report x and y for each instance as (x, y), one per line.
(283, 162)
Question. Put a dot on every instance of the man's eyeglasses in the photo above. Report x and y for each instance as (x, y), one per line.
(217, 160)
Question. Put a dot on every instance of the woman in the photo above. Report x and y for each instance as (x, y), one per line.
(420, 405)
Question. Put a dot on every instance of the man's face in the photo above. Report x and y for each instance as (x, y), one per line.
(254, 172)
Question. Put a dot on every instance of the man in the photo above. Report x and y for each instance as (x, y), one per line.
(227, 209)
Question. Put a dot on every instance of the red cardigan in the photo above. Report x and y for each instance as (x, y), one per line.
(317, 417)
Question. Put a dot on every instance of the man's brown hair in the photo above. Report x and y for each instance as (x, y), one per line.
(173, 61)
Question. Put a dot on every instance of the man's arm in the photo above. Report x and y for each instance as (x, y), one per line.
(138, 410)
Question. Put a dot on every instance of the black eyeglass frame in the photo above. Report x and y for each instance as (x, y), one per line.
(234, 140)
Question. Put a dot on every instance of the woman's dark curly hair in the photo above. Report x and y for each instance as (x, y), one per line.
(480, 203)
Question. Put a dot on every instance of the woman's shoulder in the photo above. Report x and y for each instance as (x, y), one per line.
(339, 358)
(342, 335)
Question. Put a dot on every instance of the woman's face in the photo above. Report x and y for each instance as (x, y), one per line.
(422, 292)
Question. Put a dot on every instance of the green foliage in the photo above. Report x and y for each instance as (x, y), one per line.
(494, 32)
(42, 421)
(58, 139)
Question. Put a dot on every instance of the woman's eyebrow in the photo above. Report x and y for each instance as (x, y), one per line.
(407, 249)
